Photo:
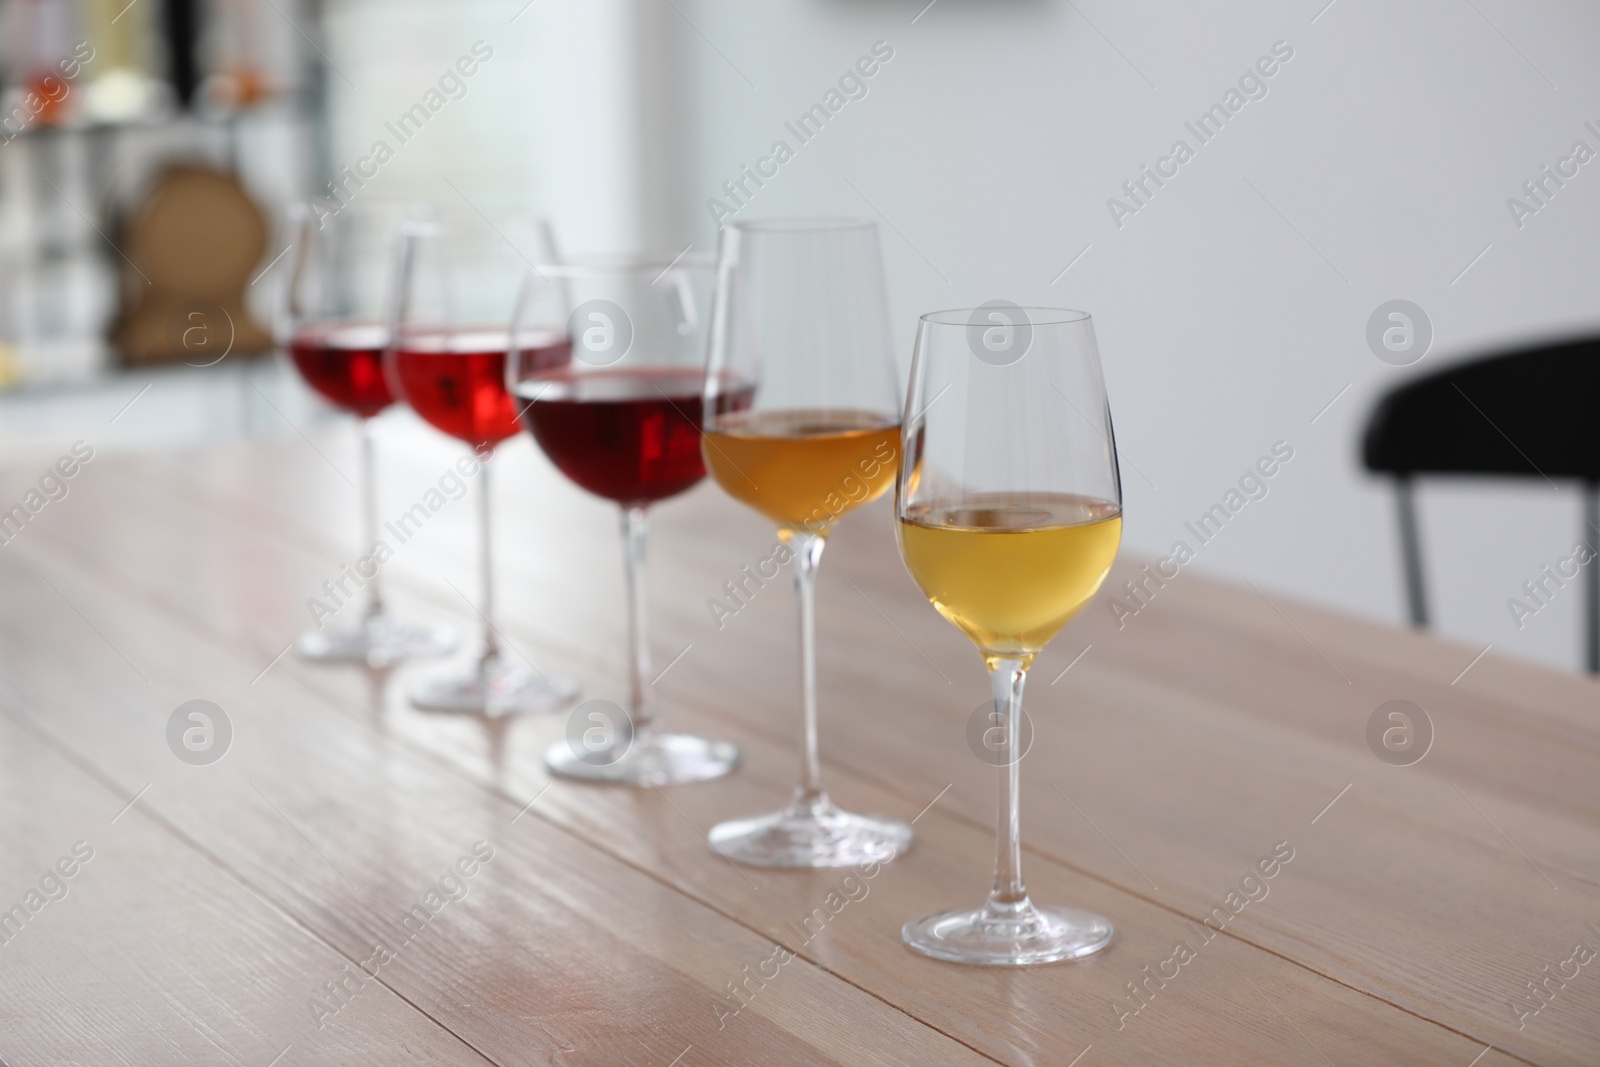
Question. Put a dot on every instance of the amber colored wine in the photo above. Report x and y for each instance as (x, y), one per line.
(803, 469)
(1010, 570)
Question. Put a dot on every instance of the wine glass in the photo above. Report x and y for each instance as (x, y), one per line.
(800, 310)
(447, 358)
(1008, 510)
(332, 320)
(622, 420)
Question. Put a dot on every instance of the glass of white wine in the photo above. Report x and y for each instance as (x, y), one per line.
(1008, 509)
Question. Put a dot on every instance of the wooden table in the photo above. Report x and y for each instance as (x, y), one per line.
(229, 913)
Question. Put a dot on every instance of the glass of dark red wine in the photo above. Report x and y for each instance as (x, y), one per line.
(447, 359)
(622, 420)
(333, 323)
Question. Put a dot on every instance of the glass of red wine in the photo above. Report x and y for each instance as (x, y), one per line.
(332, 321)
(622, 420)
(447, 358)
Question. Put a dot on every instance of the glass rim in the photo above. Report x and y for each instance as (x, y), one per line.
(1036, 316)
(600, 264)
(802, 224)
(456, 339)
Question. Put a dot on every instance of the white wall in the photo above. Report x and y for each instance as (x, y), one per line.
(553, 123)
(388, 56)
(1390, 142)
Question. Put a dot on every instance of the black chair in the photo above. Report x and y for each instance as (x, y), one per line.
(1533, 413)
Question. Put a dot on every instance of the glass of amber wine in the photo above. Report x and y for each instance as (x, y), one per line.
(1008, 510)
(800, 310)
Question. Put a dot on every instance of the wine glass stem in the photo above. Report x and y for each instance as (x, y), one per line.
(369, 512)
(1006, 678)
(491, 639)
(635, 546)
(807, 548)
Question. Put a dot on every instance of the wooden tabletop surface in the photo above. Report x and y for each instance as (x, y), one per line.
(232, 913)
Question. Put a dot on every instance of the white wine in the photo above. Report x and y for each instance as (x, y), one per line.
(1010, 570)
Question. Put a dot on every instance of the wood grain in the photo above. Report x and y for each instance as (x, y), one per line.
(150, 954)
(547, 951)
(1207, 730)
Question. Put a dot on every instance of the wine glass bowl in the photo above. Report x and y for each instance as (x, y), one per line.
(1007, 569)
(343, 363)
(455, 379)
(1008, 509)
(803, 469)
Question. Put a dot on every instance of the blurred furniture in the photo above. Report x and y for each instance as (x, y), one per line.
(192, 247)
(181, 23)
(231, 911)
(1532, 413)
(227, 83)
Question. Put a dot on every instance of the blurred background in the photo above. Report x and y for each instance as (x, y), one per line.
(149, 152)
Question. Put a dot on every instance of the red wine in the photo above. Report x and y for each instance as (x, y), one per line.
(456, 380)
(344, 363)
(630, 435)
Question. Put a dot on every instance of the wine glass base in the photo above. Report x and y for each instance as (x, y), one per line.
(494, 689)
(818, 835)
(377, 641)
(647, 759)
(1015, 937)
